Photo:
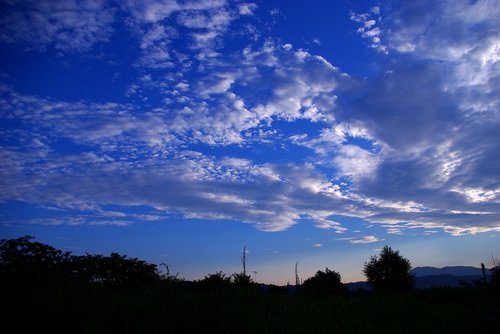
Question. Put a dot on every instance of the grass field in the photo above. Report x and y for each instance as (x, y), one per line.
(174, 307)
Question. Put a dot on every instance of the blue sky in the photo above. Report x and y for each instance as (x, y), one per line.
(181, 131)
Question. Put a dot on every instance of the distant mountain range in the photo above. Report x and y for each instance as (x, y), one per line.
(454, 271)
(427, 277)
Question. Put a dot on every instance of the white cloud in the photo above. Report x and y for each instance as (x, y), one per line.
(365, 240)
(375, 10)
(477, 195)
(217, 84)
(470, 48)
(152, 11)
(369, 28)
(329, 225)
(247, 8)
(317, 41)
(413, 145)
(74, 26)
(356, 162)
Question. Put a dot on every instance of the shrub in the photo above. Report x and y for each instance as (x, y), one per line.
(219, 280)
(327, 281)
(242, 279)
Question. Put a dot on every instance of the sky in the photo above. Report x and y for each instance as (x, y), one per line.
(181, 131)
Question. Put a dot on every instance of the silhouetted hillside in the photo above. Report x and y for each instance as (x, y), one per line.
(353, 286)
(450, 270)
(428, 277)
(446, 280)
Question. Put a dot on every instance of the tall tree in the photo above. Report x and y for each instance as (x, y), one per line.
(389, 271)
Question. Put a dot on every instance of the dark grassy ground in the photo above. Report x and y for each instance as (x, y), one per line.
(177, 308)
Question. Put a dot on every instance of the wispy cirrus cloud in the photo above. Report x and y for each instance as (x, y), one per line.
(365, 240)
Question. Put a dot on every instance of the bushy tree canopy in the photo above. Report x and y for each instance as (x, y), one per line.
(327, 281)
(114, 269)
(25, 261)
(389, 271)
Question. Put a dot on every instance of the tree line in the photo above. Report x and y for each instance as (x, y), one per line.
(25, 261)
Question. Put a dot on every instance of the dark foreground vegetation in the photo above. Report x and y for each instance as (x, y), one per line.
(48, 291)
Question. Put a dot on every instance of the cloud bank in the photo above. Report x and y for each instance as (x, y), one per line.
(414, 145)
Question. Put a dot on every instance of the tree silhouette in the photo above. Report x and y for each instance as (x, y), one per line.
(113, 270)
(495, 276)
(327, 281)
(22, 260)
(389, 271)
(25, 261)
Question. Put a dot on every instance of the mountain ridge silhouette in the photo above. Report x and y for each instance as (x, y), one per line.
(447, 270)
(428, 277)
